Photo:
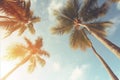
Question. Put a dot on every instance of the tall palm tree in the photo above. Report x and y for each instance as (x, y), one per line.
(80, 20)
(31, 53)
(19, 16)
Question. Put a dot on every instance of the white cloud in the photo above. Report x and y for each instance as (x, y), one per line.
(54, 5)
(56, 66)
(79, 72)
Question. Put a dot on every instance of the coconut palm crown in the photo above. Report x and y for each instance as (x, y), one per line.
(19, 16)
(80, 18)
(31, 53)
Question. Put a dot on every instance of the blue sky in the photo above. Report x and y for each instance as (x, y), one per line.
(65, 63)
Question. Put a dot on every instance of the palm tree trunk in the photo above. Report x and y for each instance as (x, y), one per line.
(112, 47)
(17, 66)
(110, 72)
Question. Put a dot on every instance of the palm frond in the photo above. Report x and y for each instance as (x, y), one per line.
(67, 14)
(101, 11)
(27, 6)
(63, 18)
(39, 43)
(93, 11)
(22, 29)
(71, 9)
(31, 28)
(16, 51)
(78, 39)
(35, 19)
(29, 43)
(40, 60)
(7, 24)
(12, 9)
(32, 65)
(60, 29)
(11, 30)
(43, 52)
(99, 27)
(87, 9)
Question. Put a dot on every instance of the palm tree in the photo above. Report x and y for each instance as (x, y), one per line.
(31, 53)
(19, 16)
(80, 20)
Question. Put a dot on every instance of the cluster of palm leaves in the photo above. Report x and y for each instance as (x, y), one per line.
(19, 16)
(77, 17)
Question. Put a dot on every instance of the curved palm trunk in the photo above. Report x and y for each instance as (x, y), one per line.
(17, 66)
(112, 47)
(110, 72)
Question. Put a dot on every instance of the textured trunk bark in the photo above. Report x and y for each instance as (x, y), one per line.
(112, 47)
(17, 66)
(110, 72)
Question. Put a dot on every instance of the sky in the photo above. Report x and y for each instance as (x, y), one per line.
(64, 63)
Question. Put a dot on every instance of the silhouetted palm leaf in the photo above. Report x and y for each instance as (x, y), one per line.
(32, 64)
(39, 43)
(40, 60)
(31, 28)
(90, 10)
(16, 51)
(99, 27)
(12, 8)
(61, 29)
(44, 53)
(78, 39)
(29, 43)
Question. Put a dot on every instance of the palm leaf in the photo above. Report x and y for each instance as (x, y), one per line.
(91, 10)
(61, 29)
(39, 43)
(62, 18)
(101, 11)
(16, 51)
(35, 19)
(7, 24)
(22, 29)
(29, 43)
(40, 60)
(31, 28)
(99, 27)
(71, 9)
(88, 7)
(27, 7)
(43, 52)
(78, 39)
(32, 65)
(13, 9)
